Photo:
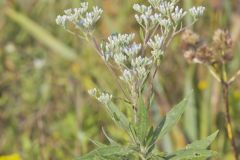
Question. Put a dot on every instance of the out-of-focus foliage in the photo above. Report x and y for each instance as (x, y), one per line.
(45, 111)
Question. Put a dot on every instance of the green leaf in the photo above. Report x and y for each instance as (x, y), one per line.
(133, 133)
(150, 135)
(118, 117)
(157, 158)
(141, 33)
(112, 142)
(168, 121)
(105, 152)
(204, 143)
(143, 121)
(98, 144)
(173, 117)
(193, 154)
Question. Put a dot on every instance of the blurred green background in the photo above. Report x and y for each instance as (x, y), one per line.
(45, 111)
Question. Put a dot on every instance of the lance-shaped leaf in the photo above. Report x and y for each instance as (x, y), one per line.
(112, 142)
(98, 144)
(203, 143)
(143, 121)
(118, 117)
(173, 117)
(108, 151)
(168, 122)
(193, 154)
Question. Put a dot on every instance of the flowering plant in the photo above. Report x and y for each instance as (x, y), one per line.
(134, 66)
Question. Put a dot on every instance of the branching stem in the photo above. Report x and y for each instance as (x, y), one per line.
(237, 75)
(96, 46)
(228, 119)
(225, 90)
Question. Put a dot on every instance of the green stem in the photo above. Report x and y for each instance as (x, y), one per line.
(142, 157)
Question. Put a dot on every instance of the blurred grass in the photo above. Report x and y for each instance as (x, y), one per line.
(45, 72)
(40, 34)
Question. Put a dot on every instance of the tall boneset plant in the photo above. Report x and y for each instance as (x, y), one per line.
(134, 65)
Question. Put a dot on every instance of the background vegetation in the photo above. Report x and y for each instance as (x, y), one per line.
(45, 111)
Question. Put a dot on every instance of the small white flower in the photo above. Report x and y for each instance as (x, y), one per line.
(118, 44)
(178, 14)
(141, 73)
(166, 23)
(157, 42)
(166, 7)
(140, 61)
(62, 20)
(157, 54)
(93, 92)
(105, 98)
(140, 65)
(154, 18)
(68, 11)
(92, 17)
(132, 50)
(127, 76)
(196, 12)
(147, 10)
(120, 58)
(80, 17)
(146, 19)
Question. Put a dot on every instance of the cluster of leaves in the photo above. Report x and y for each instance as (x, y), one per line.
(144, 138)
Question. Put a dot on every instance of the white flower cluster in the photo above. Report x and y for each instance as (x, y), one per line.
(196, 12)
(146, 19)
(138, 71)
(178, 14)
(156, 44)
(166, 16)
(164, 13)
(125, 53)
(119, 47)
(80, 17)
(161, 20)
(104, 98)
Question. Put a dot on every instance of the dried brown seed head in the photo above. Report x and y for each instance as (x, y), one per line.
(190, 38)
(222, 40)
(204, 55)
(189, 55)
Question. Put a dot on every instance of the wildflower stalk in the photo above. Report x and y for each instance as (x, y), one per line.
(225, 91)
(129, 62)
(98, 50)
(225, 87)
